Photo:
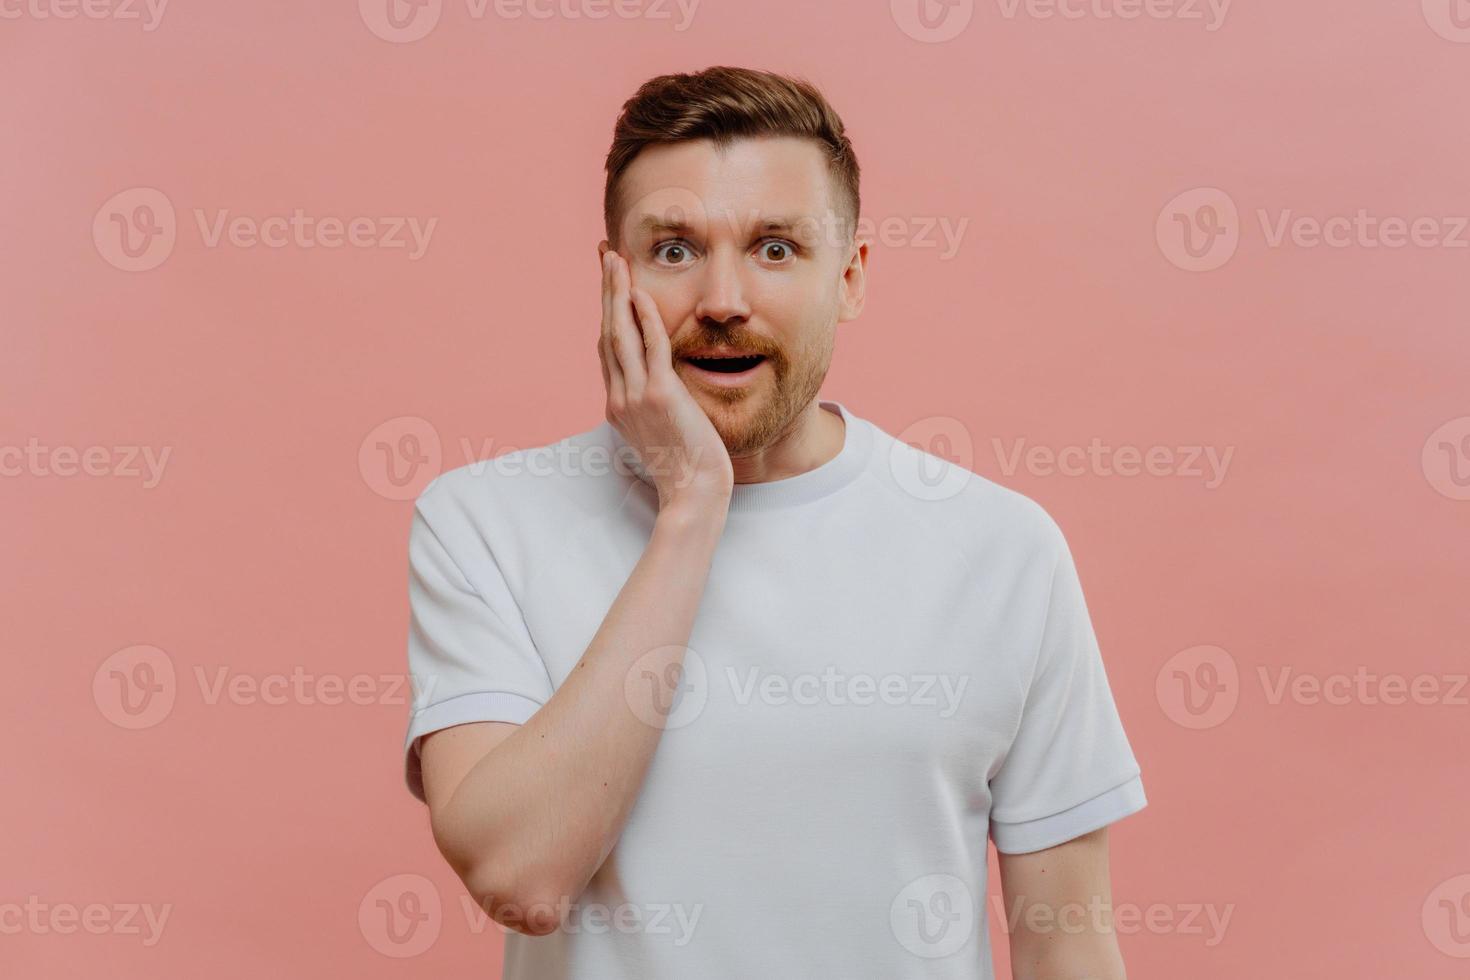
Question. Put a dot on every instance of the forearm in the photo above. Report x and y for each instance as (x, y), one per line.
(535, 818)
(1081, 955)
(1092, 968)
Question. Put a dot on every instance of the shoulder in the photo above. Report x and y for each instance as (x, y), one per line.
(984, 517)
(524, 483)
(511, 508)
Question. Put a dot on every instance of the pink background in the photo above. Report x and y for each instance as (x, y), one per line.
(1332, 835)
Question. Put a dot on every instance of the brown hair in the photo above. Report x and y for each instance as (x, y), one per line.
(723, 104)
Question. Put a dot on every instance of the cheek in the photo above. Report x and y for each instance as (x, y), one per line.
(675, 303)
(669, 294)
(790, 298)
(796, 306)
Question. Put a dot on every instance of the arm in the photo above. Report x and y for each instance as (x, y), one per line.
(526, 814)
(1059, 911)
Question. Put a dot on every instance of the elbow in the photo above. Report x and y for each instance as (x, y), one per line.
(519, 895)
(519, 902)
(507, 895)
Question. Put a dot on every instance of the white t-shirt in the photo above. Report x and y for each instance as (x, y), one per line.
(892, 659)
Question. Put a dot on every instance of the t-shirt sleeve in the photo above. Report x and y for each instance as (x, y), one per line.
(1069, 769)
(470, 655)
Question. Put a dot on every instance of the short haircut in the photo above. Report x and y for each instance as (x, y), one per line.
(724, 104)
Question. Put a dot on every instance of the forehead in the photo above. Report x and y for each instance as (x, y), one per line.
(766, 175)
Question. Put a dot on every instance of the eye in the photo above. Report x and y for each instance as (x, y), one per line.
(675, 248)
(785, 249)
(676, 251)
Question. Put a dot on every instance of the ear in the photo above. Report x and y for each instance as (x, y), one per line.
(602, 247)
(854, 283)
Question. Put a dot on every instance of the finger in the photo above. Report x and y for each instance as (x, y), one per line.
(655, 337)
(602, 362)
(616, 385)
(627, 339)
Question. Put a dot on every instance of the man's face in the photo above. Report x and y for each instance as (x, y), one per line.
(743, 250)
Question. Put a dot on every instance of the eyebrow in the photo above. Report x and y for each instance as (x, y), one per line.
(790, 225)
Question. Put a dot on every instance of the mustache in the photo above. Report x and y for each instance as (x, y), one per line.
(745, 343)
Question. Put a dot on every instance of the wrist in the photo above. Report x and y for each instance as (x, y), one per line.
(693, 514)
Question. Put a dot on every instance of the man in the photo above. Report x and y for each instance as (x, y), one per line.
(751, 704)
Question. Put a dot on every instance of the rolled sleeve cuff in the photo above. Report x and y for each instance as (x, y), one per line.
(460, 710)
(1105, 808)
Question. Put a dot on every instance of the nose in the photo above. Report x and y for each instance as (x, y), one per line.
(722, 291)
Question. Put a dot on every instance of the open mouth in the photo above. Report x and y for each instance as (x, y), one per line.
(726, 365)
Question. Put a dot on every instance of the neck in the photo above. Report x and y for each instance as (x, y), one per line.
(814, 438)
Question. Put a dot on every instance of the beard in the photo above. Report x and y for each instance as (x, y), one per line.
(752, 418)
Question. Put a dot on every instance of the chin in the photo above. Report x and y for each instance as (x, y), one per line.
(744, 425)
